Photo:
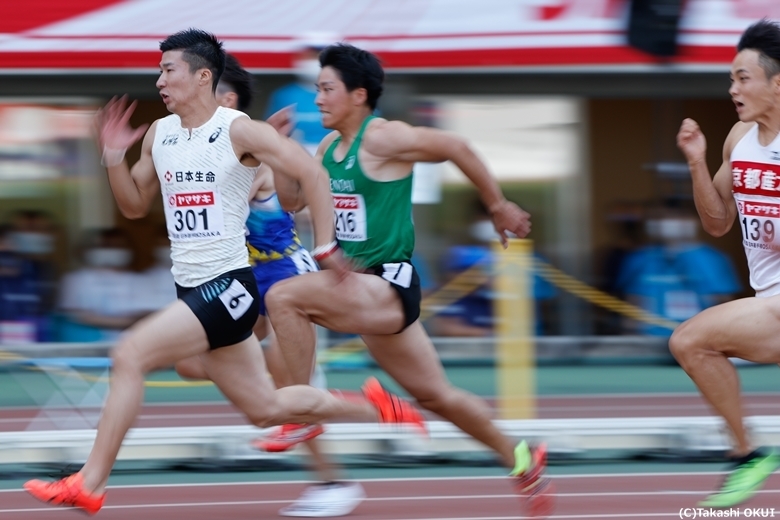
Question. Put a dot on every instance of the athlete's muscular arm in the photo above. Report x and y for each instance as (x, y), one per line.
(134, 189)
(288, 190)
(286, 158)
(289, 193)
(712, 195)
(398, 141)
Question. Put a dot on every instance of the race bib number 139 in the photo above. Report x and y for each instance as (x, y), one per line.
(194, 215)
(759, 222)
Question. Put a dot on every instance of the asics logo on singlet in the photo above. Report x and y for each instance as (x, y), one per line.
(171, 140)
(215, 135)
(350, 162)
(775, 156)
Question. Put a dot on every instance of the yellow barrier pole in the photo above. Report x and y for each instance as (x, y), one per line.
(514, 311)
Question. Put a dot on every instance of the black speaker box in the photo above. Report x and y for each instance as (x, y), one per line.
(653, 26)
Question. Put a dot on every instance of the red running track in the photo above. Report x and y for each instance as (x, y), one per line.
(619, 496)
(553, 407)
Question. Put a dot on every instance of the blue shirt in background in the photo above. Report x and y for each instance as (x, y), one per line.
(676, 282)
(308, 129)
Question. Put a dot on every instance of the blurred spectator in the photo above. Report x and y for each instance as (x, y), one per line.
(300, 95)
(472, 315)
(31, 239)
(427, 284)
(156, 285)
(625, 221)
(19, 300)
(676, 276)
(102, 298)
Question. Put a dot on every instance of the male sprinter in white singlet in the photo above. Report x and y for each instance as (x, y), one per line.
(746, 188)
(276, 253)
(204, 158)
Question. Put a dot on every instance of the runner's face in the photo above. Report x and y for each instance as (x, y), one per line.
(751, 91)
(333, 99)
(177, 83)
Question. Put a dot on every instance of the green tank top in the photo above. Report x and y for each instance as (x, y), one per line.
(373, 218)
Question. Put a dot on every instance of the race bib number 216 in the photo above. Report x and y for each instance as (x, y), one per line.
(349, 212)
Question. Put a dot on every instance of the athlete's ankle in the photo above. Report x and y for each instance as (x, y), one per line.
(741, 456)
(90, 485)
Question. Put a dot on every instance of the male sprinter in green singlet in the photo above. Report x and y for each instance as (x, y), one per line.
(370, 162)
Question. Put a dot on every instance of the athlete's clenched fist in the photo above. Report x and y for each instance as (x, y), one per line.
(691, 141)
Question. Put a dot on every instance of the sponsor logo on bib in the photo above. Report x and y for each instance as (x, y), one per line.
(751, 178)
(194, 215)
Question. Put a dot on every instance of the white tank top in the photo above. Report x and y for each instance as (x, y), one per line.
(205, 191)
(756, 186)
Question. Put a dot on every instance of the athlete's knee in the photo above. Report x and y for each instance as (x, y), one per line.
(439, 398)
(266, 416)
(280, 297)
(685, 342)
(124, 359)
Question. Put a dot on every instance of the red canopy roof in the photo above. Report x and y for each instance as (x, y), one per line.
(421, 35)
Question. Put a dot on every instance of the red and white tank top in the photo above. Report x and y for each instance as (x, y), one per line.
(205, 191)
(756, 186)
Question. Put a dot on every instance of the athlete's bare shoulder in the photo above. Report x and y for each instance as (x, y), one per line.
(736, 133)
(148, 141)
(380, 128)
(325, 143)
(249, 135)
(383, 137)
(263, 184)
(242, 124)
(153, 128)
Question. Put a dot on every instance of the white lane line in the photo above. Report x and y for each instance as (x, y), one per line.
(409, 479)
(511, 497)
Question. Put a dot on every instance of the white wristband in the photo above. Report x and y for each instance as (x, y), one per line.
(324, 250)
(113, 156)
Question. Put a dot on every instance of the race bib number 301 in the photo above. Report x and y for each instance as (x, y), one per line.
(194, 215)
(759, 222)
(350, 214)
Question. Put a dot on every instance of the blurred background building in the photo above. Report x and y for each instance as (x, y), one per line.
(574, 104)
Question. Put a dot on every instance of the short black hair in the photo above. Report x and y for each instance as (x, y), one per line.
(200, 49)
(237, 79)
(357, 69)
(764, 38)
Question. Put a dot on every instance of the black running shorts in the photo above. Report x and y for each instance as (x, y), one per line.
(403, 277)
(226, 306)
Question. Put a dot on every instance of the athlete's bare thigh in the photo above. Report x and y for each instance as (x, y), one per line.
(748, 329)
(165, 337)
(357, 304)
(193, 368)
